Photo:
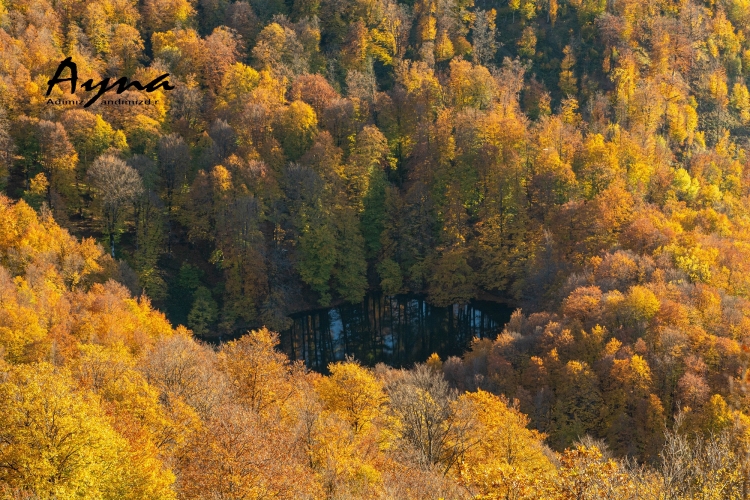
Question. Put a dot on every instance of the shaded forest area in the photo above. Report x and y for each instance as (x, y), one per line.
(585, 160)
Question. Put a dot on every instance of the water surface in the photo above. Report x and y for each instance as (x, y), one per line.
(397, 330)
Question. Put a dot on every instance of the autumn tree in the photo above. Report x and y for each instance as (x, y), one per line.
(354, 393)
(118, 185)
(236, 454)
(257, 372)
(432, 424)
(81, 454)
(484, 33)
(296, 128)
(507, 459)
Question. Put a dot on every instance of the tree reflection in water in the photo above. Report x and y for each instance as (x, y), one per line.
(397, 330)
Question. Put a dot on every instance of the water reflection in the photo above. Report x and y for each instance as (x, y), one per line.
(397, 330)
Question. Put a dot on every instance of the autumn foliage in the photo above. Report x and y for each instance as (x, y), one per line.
(585, 161)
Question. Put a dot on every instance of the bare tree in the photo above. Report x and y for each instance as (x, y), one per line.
(184, 369)
(223, 141)
(484, 33)
(432, 425)
(117, 184)
(701, 466)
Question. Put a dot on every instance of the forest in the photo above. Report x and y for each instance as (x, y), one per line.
(585, 161)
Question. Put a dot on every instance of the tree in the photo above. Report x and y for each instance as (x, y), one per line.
(125, 49)
(470, 85)
(277, 49)
(527, 43)
(567, 76)
(599, 165)
(163, 15)
(143, 134)
(174, 159)
(148, 217)
(368, 159)
(430, 423)
(373, 217)
(355, 46)
(508, 460)
(237, 82)
(585, 474)
(224, 47)
(700, 466)
(317, 248)
(241, 253)
(223, 141)
(354, 393)
(313, 90)
(56, 157)
(59, 443)
(153, 430)
(452, 279)
(257, 372)
(351, 266)
(484, 34)
(242, 18)
(7, 148)
(181, 369)
(118, 184)
(90, 135)
(295, 129)
(236, 455)
(203, 313)
(168, 43)
(578, 404)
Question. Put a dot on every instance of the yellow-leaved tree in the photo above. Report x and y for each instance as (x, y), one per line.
(354, 393)
(258, 373)
(508, 459)
(58, 443)
(346, 437)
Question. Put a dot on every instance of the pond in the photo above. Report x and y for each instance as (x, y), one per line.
(397, 330)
